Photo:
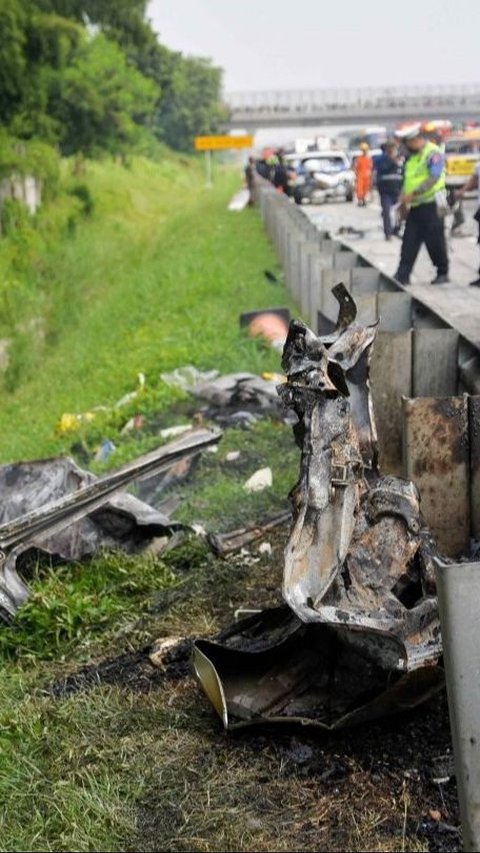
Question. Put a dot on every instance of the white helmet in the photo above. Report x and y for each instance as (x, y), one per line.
(409, 132)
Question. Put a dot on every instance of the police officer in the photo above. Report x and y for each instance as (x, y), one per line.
(424, 204)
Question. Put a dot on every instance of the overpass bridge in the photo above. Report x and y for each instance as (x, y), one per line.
(368, 105)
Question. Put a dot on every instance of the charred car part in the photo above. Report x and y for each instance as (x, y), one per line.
(359, 564)
(45, 505)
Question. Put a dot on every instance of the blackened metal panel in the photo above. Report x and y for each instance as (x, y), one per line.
(390, 379)
(437, 459)
(330, 278)
(435, 362)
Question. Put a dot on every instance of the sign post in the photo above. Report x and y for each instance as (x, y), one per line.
(219, 143)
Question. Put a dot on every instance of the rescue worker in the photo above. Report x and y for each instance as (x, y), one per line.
(423, 204)
(363, 168)
(389, 172)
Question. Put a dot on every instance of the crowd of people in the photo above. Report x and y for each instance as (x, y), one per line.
(411, 188)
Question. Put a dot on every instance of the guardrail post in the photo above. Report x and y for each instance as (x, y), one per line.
(458, 587)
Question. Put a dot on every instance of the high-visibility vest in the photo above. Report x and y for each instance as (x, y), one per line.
(416, 173)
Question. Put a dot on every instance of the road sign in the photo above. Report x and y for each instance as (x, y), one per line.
(219, 143)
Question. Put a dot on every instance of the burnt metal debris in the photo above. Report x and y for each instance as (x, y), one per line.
(53, 507)
(360, 636)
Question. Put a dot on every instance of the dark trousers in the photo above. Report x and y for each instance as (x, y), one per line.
(423, 225)
(387, 201)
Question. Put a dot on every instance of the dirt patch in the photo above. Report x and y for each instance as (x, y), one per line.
(132, 671)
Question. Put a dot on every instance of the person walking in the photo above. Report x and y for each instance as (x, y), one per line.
(389, 173)
(473, 183)
(363, 168)
(423, 203)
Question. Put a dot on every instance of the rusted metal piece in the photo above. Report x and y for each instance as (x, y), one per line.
(436, 458)
(58, 495)
(223, 544)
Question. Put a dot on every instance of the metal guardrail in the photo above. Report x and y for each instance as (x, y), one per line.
(425, 380)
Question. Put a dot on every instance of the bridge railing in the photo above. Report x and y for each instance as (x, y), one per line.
(377, 98)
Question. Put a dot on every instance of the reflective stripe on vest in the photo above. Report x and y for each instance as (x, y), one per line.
(416, 173)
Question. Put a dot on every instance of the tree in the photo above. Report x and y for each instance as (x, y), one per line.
(101, 100)
(13, 19)
(190, 102)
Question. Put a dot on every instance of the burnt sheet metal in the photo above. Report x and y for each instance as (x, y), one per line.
(239, 392)
(272, 668)
(359, 555)
(361, 637)
(436, 458)
(226, 543)
(55, 508)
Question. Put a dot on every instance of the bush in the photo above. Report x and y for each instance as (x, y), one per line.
(83, 193)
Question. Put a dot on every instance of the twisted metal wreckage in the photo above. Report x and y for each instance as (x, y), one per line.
(359, 636)
(54, 508)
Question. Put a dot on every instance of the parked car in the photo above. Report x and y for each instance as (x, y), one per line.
(462, 153)
(323, 175)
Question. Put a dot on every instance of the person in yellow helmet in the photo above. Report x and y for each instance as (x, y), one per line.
(363, 168)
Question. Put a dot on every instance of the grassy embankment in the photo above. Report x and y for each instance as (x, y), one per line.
(153, 278)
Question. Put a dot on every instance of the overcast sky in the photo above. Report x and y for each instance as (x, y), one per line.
(275, 44)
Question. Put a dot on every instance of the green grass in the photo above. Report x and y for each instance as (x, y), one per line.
(142, 270)
(154, 279)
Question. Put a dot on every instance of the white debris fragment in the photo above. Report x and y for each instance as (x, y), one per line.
(262, 479)
(171, 432)
(161, 647)
(232, 456)
(265, 548)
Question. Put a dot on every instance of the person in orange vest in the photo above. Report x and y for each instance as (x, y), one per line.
(363, 175)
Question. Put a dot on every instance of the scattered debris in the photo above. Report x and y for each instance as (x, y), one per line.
(240, 200)
(55, 508)
(105, 450)
(232, 456)
(161, 647)
(173, 431)
(261, 479)
(443, 769)
(132, 395)
(273, 277)
(265, 548)
(137, 422)
(237, 539)
(188, 378)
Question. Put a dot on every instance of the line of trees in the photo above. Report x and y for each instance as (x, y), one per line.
(91, 75)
